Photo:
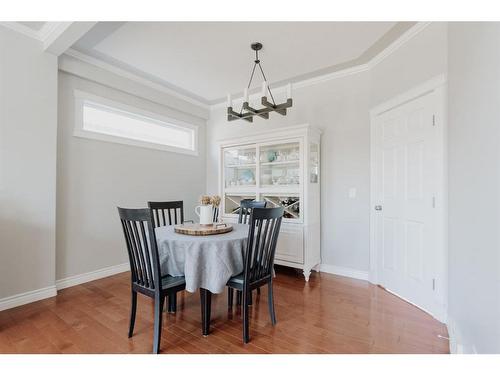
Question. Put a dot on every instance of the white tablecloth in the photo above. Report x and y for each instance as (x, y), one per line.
(205, 261)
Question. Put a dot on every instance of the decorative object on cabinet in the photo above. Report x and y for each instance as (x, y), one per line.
(286, 168)
(268, 106)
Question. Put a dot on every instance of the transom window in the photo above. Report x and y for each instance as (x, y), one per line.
(102, 119)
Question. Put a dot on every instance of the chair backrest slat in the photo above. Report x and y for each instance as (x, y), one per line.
(173, 211)
(246, 206)
(264, 227)
(142, 249)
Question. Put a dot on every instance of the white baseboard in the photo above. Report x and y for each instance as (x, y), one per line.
(90, 276)
(344, 271)
(457, 345)
(27, 297)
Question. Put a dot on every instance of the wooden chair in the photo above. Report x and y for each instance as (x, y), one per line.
(263, 231)
(144, 261)
(167, 213)
(246, 206)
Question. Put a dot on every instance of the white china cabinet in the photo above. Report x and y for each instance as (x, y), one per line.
(281, 167)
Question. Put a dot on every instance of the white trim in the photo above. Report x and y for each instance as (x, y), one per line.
(344, 271)
(91, 276)
(53, 28)
(22, 29)
(27, 297)
(300, 84)
(398, 43)
(51, 291)
(438, 86)
(377, 59)
(49, 30)
(133, 77)
(79, 131)
(409, 95)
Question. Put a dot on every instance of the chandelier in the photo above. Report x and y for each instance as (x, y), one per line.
(246, 112)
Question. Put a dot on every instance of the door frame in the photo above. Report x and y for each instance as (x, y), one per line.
(438, 86)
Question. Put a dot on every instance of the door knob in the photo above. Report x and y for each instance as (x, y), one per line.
(378, 208)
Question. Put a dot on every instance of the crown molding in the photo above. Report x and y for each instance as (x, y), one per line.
(50, 30)
(398, 43)
(133, 77)
(22, 29)
(363, 67)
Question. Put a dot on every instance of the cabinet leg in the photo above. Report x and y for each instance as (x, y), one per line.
(307, 273)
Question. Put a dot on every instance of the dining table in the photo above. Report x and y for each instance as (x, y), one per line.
(206, 262)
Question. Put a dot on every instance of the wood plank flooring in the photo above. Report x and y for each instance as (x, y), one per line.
(330, 314)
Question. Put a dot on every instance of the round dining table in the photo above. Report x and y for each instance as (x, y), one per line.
(206, 262)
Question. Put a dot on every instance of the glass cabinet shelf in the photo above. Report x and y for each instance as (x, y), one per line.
(240, 167)
(280, 165)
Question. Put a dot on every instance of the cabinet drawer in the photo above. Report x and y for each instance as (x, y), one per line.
(290, 245)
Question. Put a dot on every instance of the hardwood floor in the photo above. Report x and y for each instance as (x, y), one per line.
(330, 314)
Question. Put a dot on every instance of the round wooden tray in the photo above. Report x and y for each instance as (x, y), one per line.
(203, 230)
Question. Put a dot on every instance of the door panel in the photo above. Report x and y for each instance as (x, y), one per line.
(405, 174)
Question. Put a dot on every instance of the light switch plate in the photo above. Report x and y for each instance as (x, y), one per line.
(352, 193)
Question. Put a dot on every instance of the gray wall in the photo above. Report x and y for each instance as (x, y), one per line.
(474, 186)
(28, 123)
(420, 59)
(93, 177)
(340, 109)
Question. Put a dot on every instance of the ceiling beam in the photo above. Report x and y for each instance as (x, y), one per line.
(63, 35)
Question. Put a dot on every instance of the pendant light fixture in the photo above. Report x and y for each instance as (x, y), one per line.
(247, 113)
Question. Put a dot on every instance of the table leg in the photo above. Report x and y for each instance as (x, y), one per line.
(206, 305)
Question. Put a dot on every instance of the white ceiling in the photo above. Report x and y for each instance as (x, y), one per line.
(206, 60)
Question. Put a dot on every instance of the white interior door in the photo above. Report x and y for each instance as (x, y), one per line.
(404, 190)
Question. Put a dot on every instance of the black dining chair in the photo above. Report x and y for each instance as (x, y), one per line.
(246, 206)
(263, 231)
(144, 261)
(167, 213)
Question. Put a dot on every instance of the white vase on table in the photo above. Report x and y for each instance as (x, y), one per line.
(205, 214)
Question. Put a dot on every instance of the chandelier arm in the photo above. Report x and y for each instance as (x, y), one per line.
(265, 79)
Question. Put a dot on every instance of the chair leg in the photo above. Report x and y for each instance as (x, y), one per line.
(270, 301)
(246, 335)
(157, 324)
(230, 295)
(238, 297)
(172, 303)
(132, 314)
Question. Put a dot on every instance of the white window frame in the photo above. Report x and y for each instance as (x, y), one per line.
(81, 97)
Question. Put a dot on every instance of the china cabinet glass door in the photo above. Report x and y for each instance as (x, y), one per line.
(280, 165)
(240, 168)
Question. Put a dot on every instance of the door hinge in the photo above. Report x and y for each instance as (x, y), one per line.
(433, 202)
(433, 120)
(433, 284)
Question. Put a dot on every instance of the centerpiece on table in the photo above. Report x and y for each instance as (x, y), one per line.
(208, 211)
